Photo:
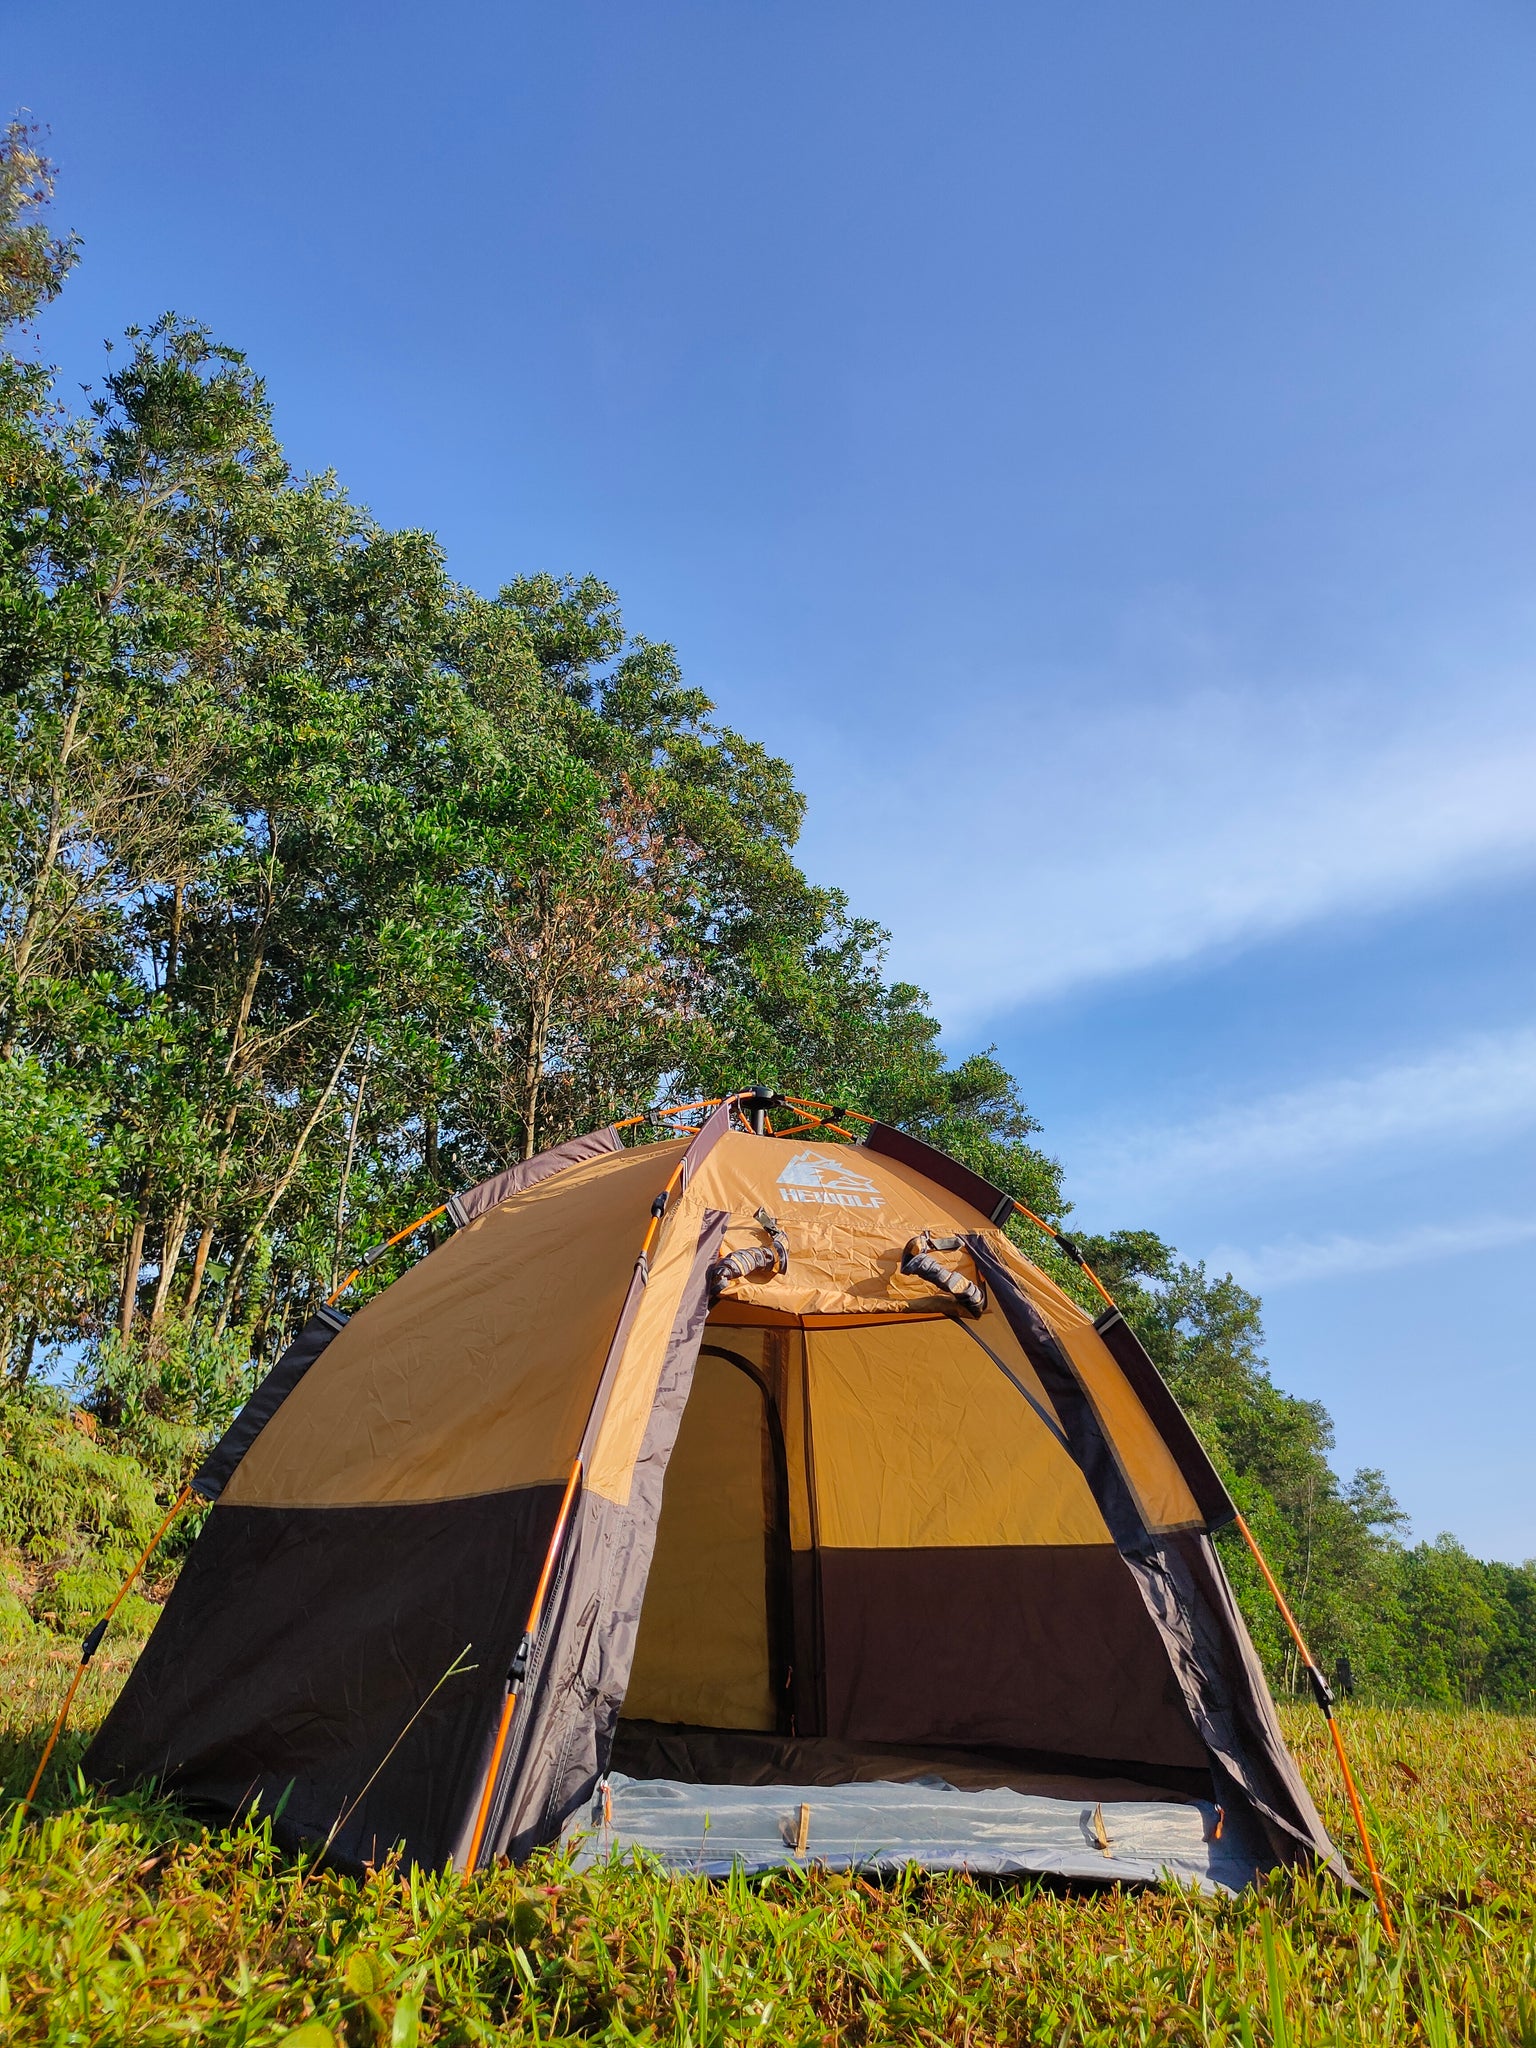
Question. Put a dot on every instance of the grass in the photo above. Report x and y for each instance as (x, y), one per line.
(121, 1921)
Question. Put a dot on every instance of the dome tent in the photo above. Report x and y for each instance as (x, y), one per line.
(688, 1474)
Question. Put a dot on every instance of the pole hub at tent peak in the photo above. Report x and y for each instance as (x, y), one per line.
(756, 1104)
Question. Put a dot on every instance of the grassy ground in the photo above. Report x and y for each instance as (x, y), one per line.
(121, 1922)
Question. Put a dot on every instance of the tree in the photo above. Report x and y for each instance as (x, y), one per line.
(33, 262)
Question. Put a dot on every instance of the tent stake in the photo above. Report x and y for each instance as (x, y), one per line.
(519, 1670)
(1323, 1693)
(92, 1642)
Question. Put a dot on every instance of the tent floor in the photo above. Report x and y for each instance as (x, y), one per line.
(711, 1830)
(747, 1756)
(710, 1799)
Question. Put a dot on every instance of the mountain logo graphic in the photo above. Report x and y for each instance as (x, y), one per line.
(817, 1177)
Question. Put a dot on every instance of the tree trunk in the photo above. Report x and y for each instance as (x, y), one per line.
(205, 1236)
(27, 938)
(199, 1267)
(131, 1264)
(540, 1010)
(170, 1258)
(173, 942)
(346, 1175)
(247, 998)
(295, 1160)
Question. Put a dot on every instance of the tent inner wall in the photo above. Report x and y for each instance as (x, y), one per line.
(949, 1579)
(705, 1652)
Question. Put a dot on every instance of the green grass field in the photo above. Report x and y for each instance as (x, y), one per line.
(123, 1922)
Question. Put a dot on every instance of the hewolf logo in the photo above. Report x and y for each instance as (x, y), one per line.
(814, 1177)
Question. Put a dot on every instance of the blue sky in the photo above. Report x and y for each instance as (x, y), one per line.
(1095, 444)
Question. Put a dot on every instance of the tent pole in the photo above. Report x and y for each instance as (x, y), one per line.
(1068, 1249)
(1323, 1693)
(519, 1670)
(372, 1258)
(92, 1642)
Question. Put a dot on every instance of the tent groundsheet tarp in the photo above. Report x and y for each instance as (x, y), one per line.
(710, 1830)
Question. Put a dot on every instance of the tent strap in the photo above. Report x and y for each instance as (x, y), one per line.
(918, 1260)
(758, 1258)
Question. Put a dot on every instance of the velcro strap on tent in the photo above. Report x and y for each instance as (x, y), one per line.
(919, 1261)
(752, 1258)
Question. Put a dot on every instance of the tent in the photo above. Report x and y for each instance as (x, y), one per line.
(744, 1497)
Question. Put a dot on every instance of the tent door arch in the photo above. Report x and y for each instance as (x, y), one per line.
(711, 1649)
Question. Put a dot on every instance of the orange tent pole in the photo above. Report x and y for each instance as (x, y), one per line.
(804, 1102)
(519, 1670)
(92, 1642)
(378, 1251)
(1323, 1694)
(1067, 1248)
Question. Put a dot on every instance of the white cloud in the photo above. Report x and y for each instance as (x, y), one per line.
(1297, 1260)
(1477, 1090)
(1020, 846)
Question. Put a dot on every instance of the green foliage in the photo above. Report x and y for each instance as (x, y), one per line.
(163, 1404)
(80, 1594)
(56, 1209)
(1466, 1627)
(66, 1495)
(74, 1514)
(123, 1921)
(33, 263)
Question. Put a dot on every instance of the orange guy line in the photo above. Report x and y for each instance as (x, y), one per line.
(93, 1640)
(1320, 1687)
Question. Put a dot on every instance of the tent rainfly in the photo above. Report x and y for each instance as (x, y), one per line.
(748, 1497)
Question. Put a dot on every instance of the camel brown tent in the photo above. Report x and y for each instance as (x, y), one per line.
(809, 1479)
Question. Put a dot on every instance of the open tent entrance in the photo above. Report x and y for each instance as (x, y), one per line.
(877, 1565)
(713, 1652)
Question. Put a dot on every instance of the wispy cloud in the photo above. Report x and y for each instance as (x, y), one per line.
(1479, 1089)
(1029, 845)
(1298, 1260)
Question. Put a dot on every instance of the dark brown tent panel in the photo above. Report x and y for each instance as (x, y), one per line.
(739, 1496)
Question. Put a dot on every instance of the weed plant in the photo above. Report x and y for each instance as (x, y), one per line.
(124, 1921)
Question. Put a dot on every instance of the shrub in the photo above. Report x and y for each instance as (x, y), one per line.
(73, 1512)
